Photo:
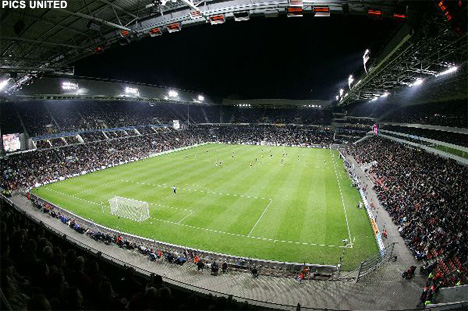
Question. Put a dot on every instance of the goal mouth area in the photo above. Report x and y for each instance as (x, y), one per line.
(129, 208)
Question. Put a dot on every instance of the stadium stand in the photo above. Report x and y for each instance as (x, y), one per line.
(37, 119)
(293, 136)
(10, 123)
(42, 118)
(451, 114)
(448, 137)
(368, 109)
(424, 194)
(43, 271)
(43, 166)
(426, 197)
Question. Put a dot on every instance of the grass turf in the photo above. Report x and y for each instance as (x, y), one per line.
(287, 210)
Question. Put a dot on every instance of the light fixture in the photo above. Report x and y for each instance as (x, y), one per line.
(201, 98)
(3, 83)
(173, 94)
(132, 91)
(350, 80)
(341, 92)
(418, 81)
(385, 94)
(70, 86)
(446, 72)
(337, 97)
(365, 59)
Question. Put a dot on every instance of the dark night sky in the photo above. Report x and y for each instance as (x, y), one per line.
(262, 58)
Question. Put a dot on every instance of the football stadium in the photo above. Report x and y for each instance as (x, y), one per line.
(234, 155)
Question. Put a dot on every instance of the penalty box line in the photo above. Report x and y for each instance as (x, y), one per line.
(260, 218)
(246, 236)
(208, 192)
(190, 212)
(212, 230)
(195, 190)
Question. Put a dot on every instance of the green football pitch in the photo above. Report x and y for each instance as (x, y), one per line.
(277, 203)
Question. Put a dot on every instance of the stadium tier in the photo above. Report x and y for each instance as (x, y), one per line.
(427, 206)
(278, 155)
(40, 118)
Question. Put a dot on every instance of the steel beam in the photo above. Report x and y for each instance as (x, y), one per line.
(119, 8)
(96, 19)
(41, 42)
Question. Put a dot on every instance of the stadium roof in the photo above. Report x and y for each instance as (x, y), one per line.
(437, 47)
(84, 88)
(34, 42)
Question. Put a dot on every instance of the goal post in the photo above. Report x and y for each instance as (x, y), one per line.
(129, 208)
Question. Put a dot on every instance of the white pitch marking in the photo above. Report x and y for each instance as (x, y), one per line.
(259, 218)
(198, 228)
(189, 214)
(342, 200)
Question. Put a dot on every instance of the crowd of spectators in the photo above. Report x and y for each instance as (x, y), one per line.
(93, 136)
(366, 109)
(58, 142)
(9, 121)
(41, 118)
(43, 271)
(448, 137)
(36, 118)
(276, 135)
(72, 140)
(286, 115)
(43, 166)
(43, 144)
(451, 114)
(427, 199)
(350, 134)
(39, 167)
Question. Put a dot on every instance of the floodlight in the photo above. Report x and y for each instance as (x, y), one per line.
(341, 92)
(337, 97)
(446, 72)
(365, 59)
(132, 91)
(201, 98)
(418, 81)
(70, 86)
(173, 93)
(3, 84)
(350, 80)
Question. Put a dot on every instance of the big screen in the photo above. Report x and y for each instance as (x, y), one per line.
(11, 142)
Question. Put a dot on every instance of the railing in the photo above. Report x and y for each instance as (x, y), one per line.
(266, 267)
(146, 273)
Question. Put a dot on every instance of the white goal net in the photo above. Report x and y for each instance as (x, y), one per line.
(129, 208)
